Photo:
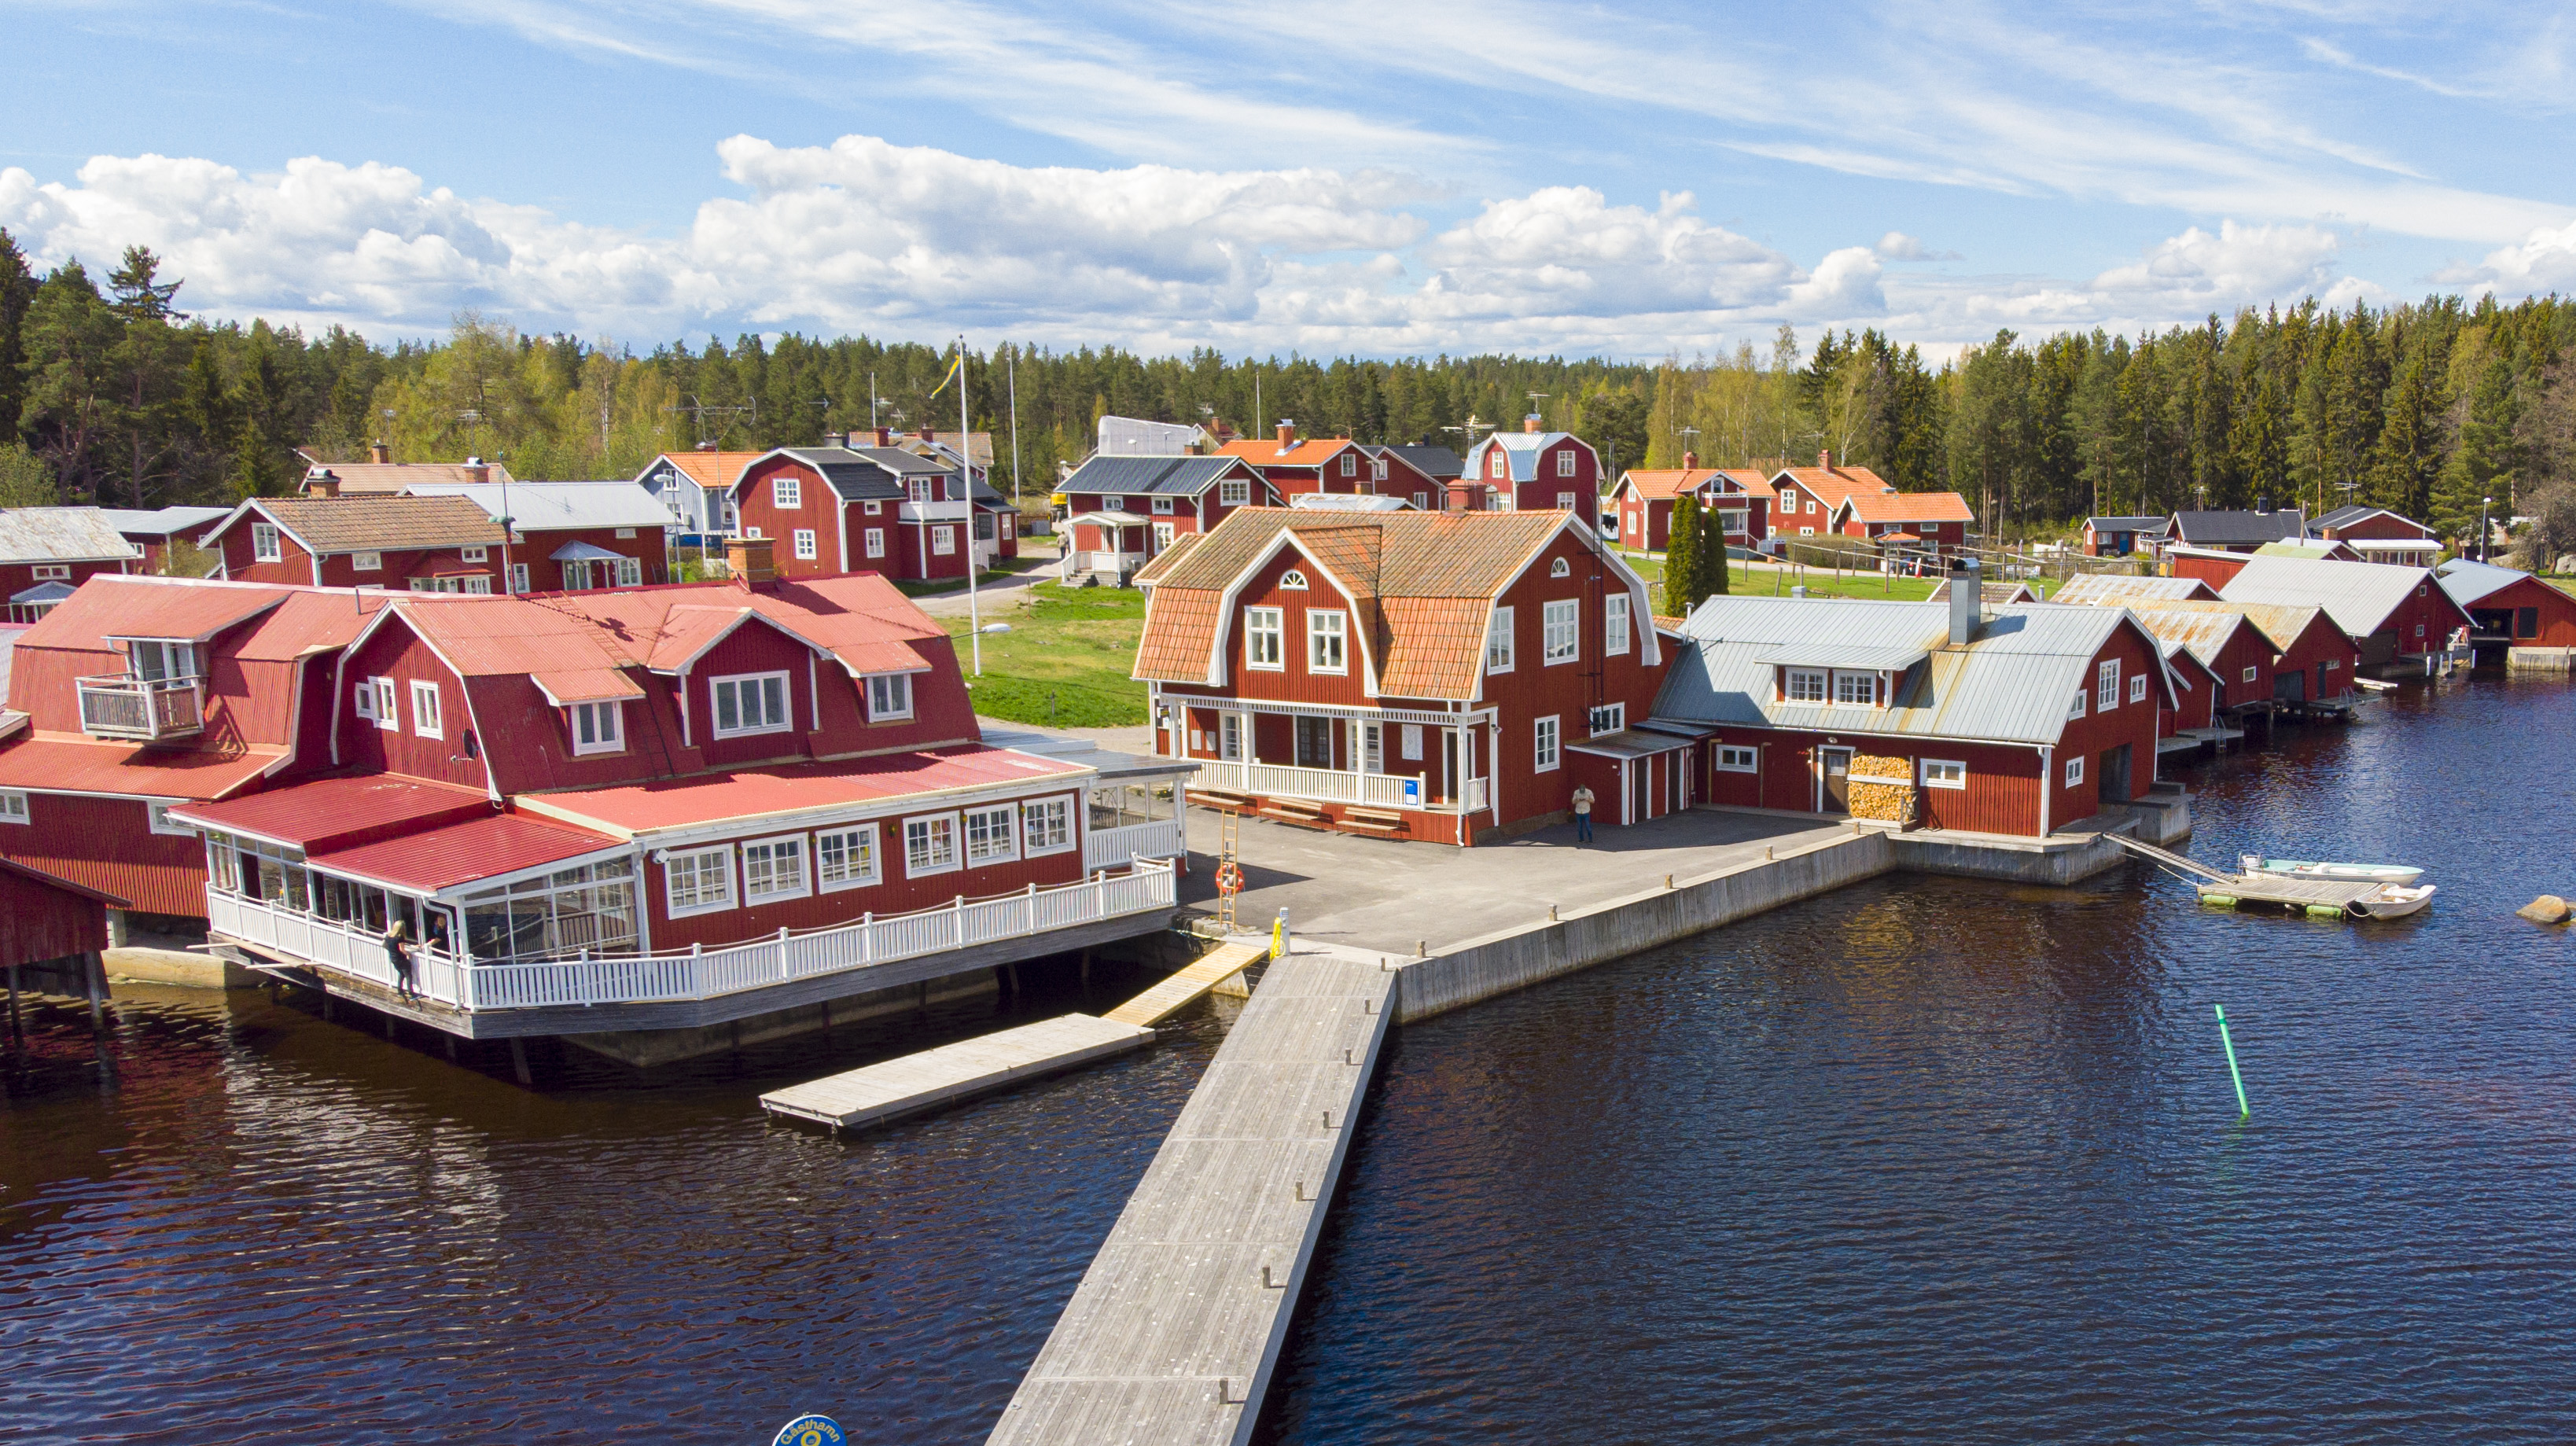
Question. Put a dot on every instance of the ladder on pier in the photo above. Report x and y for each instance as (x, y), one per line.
(2169, 858)
(1226, 961)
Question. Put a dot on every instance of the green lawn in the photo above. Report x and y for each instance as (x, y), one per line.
(1004, 568)
(1064, 662)
(1747, 581)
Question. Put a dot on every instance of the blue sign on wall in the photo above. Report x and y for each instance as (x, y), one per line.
(1413, 792)
(810, 1431)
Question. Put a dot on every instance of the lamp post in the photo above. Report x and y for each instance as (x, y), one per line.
(2486, 533)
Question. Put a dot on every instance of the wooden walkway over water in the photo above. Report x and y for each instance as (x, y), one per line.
(894, 1088)
(1174, 1331)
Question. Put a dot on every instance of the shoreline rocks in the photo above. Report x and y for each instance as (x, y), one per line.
(2547, 909)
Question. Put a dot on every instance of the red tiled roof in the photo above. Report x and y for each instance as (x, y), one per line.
(1663, 483)
(1832, 487)
(1910, 507)
(626, 810)
(1749, 482)
(1265, 451)
(325, 812)
(459, 853)
(709, 469)
(70, 763)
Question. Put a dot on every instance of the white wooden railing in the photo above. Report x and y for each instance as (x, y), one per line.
(701, 973)
(116, 706)
(1327, 785)
(1112, 848)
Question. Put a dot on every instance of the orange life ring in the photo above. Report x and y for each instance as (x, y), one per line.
(1229, 879)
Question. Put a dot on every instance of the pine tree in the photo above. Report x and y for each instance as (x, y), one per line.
(139, 296)
(1711, 558)
(1682, 585)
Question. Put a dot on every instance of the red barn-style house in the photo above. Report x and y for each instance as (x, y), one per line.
(1643, 502)
(417, 544)
(2016, 720)
(1449, 677)
(2233, 658)
(2534, 622)
(1419, 477)
(1531, 470)
(882, 510)
(1123, 511)
(45, 552)
(1806, 499)
(574, 536)
(1295, 467)
(156, 530)
(2394, 615)
(2311, 661)
(1928, 523)
(2376, 534)
(2122, 536)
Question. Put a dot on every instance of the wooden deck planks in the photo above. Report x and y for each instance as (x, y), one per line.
(877, 1093)
(2274, 889)
(1189, 983)
(1172, 1334)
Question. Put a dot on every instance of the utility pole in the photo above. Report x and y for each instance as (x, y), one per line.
(2484, 531)
(966, 473)
(1012, 371)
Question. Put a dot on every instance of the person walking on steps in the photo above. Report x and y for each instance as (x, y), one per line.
(1582, 815)
(398, 954)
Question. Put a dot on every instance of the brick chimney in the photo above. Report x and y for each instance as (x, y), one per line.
(1530, 423)
(1690, 461)
(380, 452)
(747, 558)
(477, 470)
(1287, 434)
(1825, 460)
(321, 482)
(885, 436)
(927, 435)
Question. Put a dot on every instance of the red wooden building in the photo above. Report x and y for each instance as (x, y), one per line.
(2510, 607)
(2392, 614)
(1293, 467)
(1643, 503)
(1417, 476)
(2015, 720)
(1531, 470)
(1448, 677)
(45, 552)
(880, 510)
(2235, 654)
(414, 544)
(1122, 511)
(2122, 536)
(45, 916)
(1930, 523)
(1806, 499)
(2376, 534)
(574, 536)
(154, 531)
(2312, 660)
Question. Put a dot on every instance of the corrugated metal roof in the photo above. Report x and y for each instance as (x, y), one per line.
(2359, 596)
(1867, 656)
(2012, 683)
(2282, 623)
(163, 521)
(2203, 632)
(2218, 529)
(61, 534)
(1346, 502)
(43, 592)
(323, 812)
(451, 854)
(75, 764)
(1993, 594)
(2126, 524)
(1139, 476)
(640, 808)
(1523, 448)
(2098, 586)
(2467, 580)
(559, 506)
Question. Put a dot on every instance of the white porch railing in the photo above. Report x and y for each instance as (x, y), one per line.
(1329, 785)
(701, 973)
(116, 706)
(1112, 848)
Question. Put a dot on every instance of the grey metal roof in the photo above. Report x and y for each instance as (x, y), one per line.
(2012, 683)
(2219, 529)
(2468, 580)
(1522, 448)
(2201, 632)
(1346, 502)
(2357, 512)
(1868, 656)
(1186, 476)
(1630, 743)
(61, 534)
(1441, 463)
(43, 592)
(2125, 524)
(162, 521)
(2097, 586)
(2359, 596)
(866, 474)
(558, 506)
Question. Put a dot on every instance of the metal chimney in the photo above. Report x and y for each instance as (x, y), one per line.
(1967, 600)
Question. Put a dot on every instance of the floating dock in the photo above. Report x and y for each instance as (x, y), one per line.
(878, 1093)
(2322, 897)
(1221, 964)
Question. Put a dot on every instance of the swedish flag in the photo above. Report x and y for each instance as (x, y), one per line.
(956, 372)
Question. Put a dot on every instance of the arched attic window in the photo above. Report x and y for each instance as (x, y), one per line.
(1292, 581)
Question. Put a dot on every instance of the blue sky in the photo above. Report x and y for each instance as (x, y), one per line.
(1381, 177)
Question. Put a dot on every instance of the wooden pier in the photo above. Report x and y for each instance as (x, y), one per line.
(1220, 964)
(1176, 1327)
(2322, 897)
(895, 1088)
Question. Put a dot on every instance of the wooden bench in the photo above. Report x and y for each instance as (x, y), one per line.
(1223, 798)
(1373, 820)
(1372, 826)
(1295, 812)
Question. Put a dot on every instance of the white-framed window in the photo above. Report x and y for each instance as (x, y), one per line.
(930, 845)
(1263, 644)
(2138, 688)
(1608, 718)
(598, 727)
(1851, 687)
(846, 858)
(1350, 465)
(943, 541)
(630, 572)
(1292, 581)
(1046, 825)
(473, 554)
(1498, 642)
(750, 703)
(2249, 673)
(1560, 568)
(1162, 536)
(480, 582)
(1731, 759)
(1421, 501)
(2334, 664)
(518, 577)
(2076, 708)
(919, 489)
(1545, 737)
(53, 572)
(1229, 737)
(1614, 623)
(1162, 507)
(1377, 469)
(2074, 771)
(875, 507)
(1806, 532)
(1233, 492)
(2106, 686)
(697, 881)
(425, 719)
(159, 660)
(786, 492)
(753, 532)
(156, 817)
(1944, 773)
(1324, 641)
(263, 542)
(1565, 465)
(804, 541)
(873, 544)
(1806, 685)
(889, 696)
(13, 806)
(1411, 743)
(386, 717)
(365, 698)
(1565, 502)
(1560, 631)
(774, 868)
(366, 562)
(626, 534)
(1495, 470)
(989, 836)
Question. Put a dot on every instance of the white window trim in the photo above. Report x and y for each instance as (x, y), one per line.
(53, 572)
(787, 493)
(786, 693)
(614, 741)
(670, 900)
(1619, 719)
(1011, 824)
(804, 545)
(1925, 778)
(1292, 581)
(1499, 631)
(2106, 685)
(1614, 623)
(2076, 708)
(1276, 631)
(874, 543)
(266, 544)
(875, 851)
(1340, 635)
(1547, 744)
(1824, 680)
(1072, 806)
(436, 727)
(1234, 492)
(804, 869)
(875, 507)
(366, 562)
(956, 845)
(13, 806)
(363, 701)
(1565, 462)
(518, 577)
(1162, 507)
(1866, 680)
(1752, 759)
(943, 541)
(473, 554)
(889, 715)
(2074, 771)
(2249, 673)
(388, 707)
(2137, 687)
(156, 817)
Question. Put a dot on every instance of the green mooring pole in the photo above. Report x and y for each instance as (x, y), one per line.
(2243, 1110)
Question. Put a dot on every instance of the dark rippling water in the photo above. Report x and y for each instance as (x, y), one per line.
(1923, 1160)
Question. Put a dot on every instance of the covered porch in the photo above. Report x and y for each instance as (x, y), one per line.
(1110, 543)
(1388, 771)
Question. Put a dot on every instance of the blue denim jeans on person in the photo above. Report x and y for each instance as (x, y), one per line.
(1583, 828)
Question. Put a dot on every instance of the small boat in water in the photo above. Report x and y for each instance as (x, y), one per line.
(2346, 873)
(2390, 901)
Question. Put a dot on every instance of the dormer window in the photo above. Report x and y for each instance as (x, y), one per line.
(597, 727)
(1860, 688)
(922, 489)
(154, 660)
(1806, 685)
(889, 697)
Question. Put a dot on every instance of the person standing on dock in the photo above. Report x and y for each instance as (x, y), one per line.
(398, 954)
(1582, 815)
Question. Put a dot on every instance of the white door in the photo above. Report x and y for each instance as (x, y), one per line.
(1371, 760)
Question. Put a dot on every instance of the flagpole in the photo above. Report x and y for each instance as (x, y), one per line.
(966, 470)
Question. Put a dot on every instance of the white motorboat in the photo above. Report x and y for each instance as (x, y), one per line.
(2341, 873)
(2391, 901)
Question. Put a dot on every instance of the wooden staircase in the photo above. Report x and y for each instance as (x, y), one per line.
(1168, 996)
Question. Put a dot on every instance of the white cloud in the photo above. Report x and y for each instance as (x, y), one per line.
(2545, 260)
(2240, 264)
